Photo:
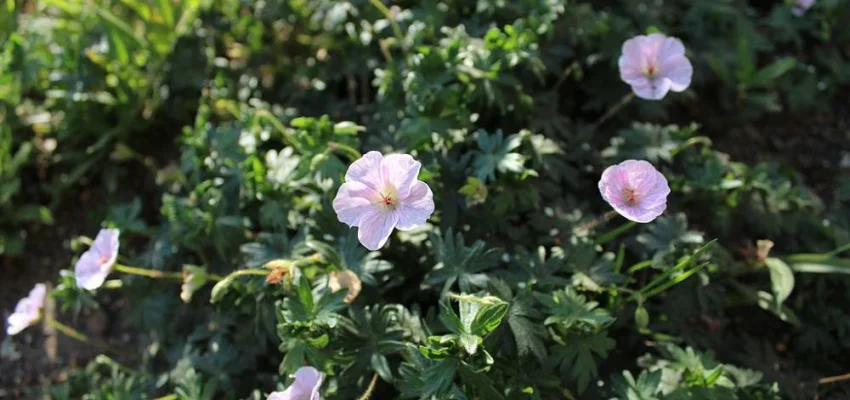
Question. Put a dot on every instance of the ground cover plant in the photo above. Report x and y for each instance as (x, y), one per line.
(535, 199)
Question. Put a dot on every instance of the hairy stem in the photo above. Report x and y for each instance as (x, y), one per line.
(612, 111)
(150, 273)
(370, 388)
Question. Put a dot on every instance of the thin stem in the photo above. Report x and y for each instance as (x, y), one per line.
(150, 273)
(264, 113)
(370, 388)
(566, 74)
(674, 281)
(81, 337)
(244, 272)
(595, 222)
(613, 110)
(612, 234)
(833, 379)
(390, 17)
(838, 250)
(104, 359)
(690, 142)
(351, 152)
(67, 330)
(639, 266)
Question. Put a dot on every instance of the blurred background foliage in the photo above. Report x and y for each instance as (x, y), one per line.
(215, 133)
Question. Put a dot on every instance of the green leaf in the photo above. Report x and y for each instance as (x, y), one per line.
(166, 9)
(305, 294)
(781, 278)
(461, 264)
(818, 264)
(773, 71)
(450, 319)
(578, 357)
(569, 309)
(488, 318)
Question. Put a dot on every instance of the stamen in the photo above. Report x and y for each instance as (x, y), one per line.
(651, 70)
(630, 196)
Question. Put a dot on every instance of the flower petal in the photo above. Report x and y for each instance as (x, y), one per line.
(614, 179)
(416, 208)
(376, 227)
(353, 201)
(679, 71)
(641, 174)
(106, 246)
(639, 214)
(308, 380)
(653, 89)
(400, 171)
(89, 272)
(17, 323)
(367, 170)
(657, 195)
(37, 295)
(632, 62)
(669, 47)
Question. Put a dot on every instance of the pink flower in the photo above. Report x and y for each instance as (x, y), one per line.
(802, 6)
(381, 193)
(306, 386)
(654, 65)
(27, 311)
(635, 189)
(94, 265)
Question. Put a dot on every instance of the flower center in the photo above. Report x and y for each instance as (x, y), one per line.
(389, 198)
(630, 196)
(102, 260)
(651, 70)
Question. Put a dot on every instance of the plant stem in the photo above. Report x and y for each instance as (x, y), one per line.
(390, 17)
(595, 222)
(244, 272)
(67, 330)
(612, 234)
(833, 379)
(567, 72)
(370, 388)
(81, 337)
(351, 152)
(613, 110)
(690, 142)
(104, 359)
(150, 273)
(838, 250)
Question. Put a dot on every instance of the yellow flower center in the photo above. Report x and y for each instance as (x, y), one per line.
(389, 198)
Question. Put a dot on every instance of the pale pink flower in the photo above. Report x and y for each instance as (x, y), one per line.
(27, 311)
(381, 193)
(95, 264)
(655, 64)
(801, 6)
(635, 189)
(306, 386)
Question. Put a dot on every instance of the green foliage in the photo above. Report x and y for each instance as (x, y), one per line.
(215, 135)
